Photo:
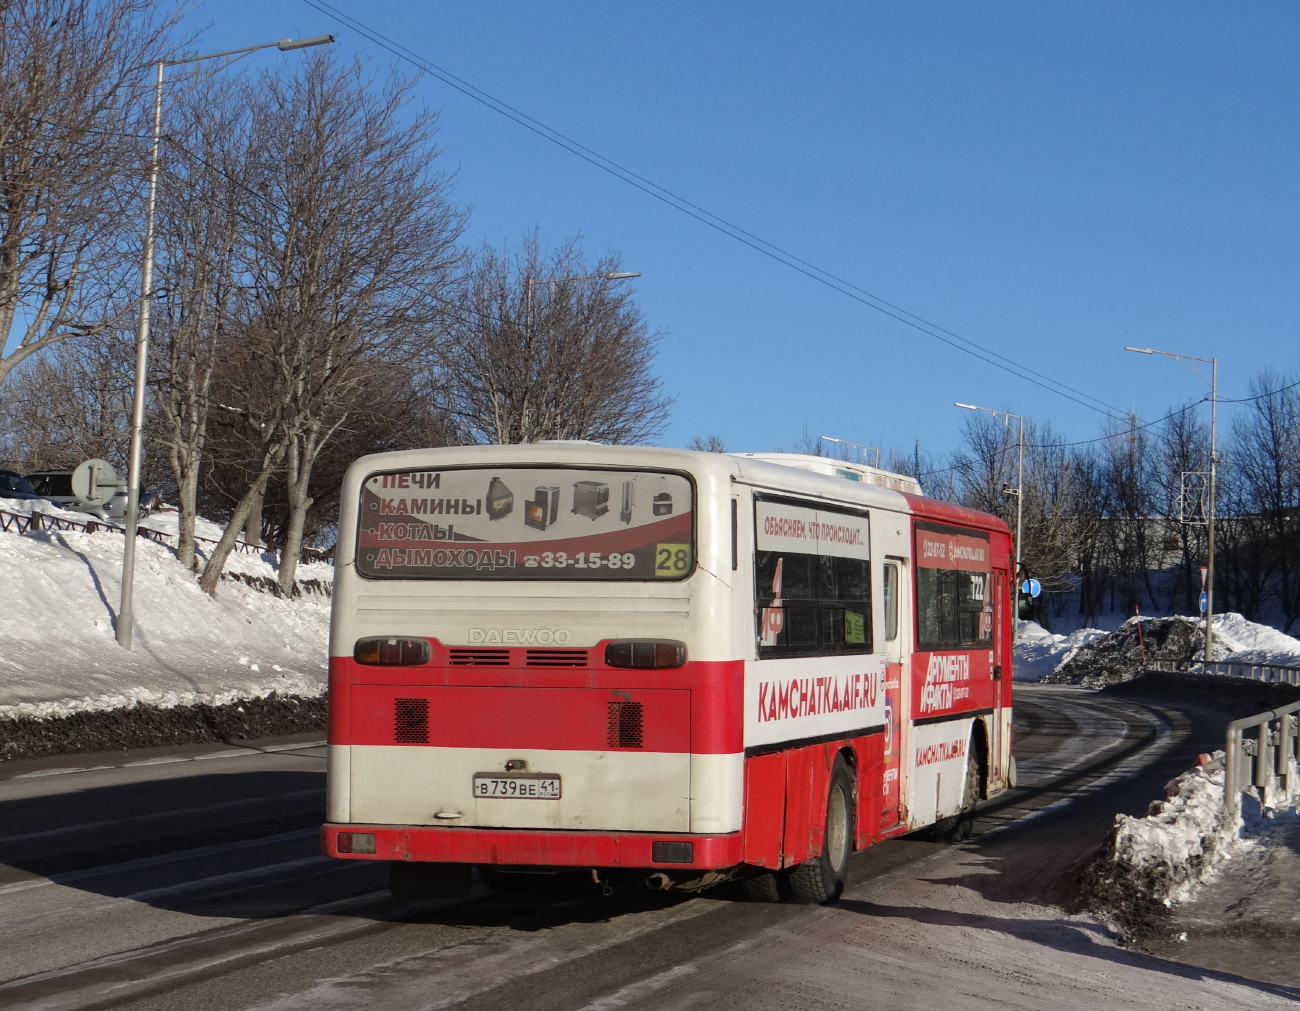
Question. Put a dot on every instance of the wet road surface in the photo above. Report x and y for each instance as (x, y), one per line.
(191, 878)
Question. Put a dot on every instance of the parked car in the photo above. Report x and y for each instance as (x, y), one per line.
(14, 486)
(56, 484)
(93, 488)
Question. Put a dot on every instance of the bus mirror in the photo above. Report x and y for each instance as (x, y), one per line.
(645, 654)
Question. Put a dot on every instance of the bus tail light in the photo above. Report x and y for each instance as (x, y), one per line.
(356, 842)
(391, 652)
(645, 654)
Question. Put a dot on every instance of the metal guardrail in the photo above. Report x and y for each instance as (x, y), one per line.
(27, 523)
(1259, 761)
(1272, 673)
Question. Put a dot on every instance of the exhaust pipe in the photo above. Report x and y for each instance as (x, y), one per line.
(659, 882)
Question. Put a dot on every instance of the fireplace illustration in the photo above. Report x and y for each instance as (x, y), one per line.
(500, 499)
(540, 513)
(662, 504)
(590, 498)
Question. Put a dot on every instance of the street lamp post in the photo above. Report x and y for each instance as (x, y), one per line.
(856, 445)
(1006, 417)
(125, 616)
(1213, 383)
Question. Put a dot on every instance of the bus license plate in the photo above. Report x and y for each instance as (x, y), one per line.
(530, 786)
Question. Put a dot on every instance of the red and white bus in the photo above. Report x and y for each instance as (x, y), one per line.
(695, 666)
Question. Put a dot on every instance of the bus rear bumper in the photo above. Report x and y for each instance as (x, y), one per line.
(525, 848)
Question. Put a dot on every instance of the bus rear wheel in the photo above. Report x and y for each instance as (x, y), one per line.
(766, 886)
(821, 880)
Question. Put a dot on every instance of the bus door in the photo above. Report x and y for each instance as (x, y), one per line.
(898, 638)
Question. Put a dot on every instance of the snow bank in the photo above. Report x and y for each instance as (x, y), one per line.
(170, 523)
(1148, 864)
(25, 507)
(1183, 839)
(59, 654)
(1039, 653)
(1249, 642)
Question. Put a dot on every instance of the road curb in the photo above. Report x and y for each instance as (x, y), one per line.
(142, 726)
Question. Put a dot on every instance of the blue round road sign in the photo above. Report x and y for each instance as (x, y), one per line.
(1205, 601)
(1033, 587)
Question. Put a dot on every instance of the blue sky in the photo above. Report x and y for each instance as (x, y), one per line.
(1051, 181)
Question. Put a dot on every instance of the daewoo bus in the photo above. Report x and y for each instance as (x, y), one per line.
(692, 666)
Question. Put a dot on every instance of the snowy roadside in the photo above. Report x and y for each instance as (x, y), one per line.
(58, 653)
(1151, 864)
(1039, 654)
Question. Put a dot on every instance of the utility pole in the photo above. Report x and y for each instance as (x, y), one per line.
(1213, 383)
(131, 522)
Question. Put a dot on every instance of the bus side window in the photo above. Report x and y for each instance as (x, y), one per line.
(891, 601)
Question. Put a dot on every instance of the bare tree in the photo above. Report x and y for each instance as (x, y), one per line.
(345, 249)
(547, 347)
(388, 414)
(66, 405)
(986, 473)
(1266, 452)
(934, 474)
(706, 444)
(1133, 540)
(73, 74)
(200, 224)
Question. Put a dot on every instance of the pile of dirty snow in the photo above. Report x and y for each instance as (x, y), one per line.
(1093, 657)
(1038, 652)
(1148, 864)
(59, 654)
(1118, 655)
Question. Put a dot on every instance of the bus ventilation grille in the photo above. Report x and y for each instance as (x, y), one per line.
(556, 658)
(625, 719)
(479, 657)
(411, 721)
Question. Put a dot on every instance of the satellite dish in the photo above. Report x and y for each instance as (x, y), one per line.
(95, 481)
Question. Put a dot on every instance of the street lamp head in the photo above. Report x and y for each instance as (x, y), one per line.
(284, 45)
(621, 275)
(1141, 351)
(968, 407)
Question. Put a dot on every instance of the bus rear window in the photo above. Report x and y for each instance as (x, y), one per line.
(526, 523)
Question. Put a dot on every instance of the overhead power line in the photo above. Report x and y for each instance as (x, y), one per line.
(714, 221)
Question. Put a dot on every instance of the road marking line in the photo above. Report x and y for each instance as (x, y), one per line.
(246, 752)
(61, 772)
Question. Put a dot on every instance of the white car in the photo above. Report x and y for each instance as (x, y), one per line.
(92, 488)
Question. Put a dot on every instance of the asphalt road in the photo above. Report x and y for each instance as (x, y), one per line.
(190, 878)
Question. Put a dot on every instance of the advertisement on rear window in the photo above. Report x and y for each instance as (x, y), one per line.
(783, 527)
(526, 523)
